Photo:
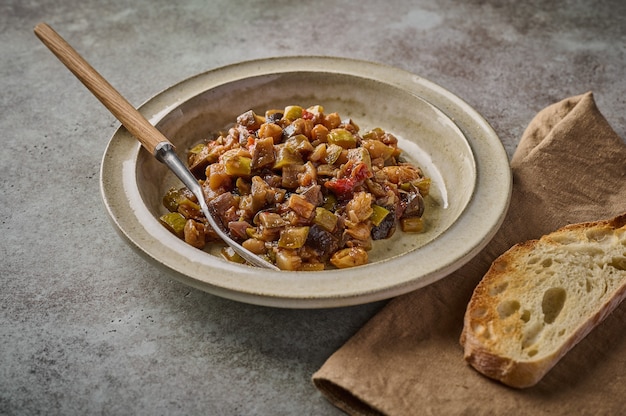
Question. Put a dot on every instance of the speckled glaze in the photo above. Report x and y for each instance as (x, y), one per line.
(439, 132)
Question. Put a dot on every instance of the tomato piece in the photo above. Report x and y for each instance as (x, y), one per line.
(307, 115)
(356, 174)
(342, 187)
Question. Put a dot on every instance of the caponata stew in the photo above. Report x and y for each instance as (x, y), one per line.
(300, 187)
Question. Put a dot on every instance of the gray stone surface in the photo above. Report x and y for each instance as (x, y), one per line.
(87, 326)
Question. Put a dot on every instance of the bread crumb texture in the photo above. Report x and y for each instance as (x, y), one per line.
(542, 297)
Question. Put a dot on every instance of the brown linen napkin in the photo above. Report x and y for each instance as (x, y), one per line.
(570, 166)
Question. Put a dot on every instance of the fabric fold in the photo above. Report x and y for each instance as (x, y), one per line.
(570, 166)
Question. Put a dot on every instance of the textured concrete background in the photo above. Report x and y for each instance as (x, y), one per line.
(88, 327)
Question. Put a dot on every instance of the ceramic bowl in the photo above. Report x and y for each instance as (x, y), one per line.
(451, 142)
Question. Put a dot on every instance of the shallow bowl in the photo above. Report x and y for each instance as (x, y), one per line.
(451, 142)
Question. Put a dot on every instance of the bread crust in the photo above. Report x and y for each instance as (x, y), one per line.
(506, 325)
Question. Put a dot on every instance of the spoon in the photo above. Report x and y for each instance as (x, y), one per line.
(151, 138)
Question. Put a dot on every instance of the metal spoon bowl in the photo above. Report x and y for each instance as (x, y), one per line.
(149, 136)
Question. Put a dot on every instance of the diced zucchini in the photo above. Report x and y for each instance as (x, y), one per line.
(172, 198)
(175, 222)
(423, 185)
(378, 149)
(311, 267)
(325, 219)
(292, 112)
(330, 202)
(412, 224)
(238, 166)
(342, 137)
(197, 148)
(293, 237)
(230, 255)
(378, 214)
(374, 134)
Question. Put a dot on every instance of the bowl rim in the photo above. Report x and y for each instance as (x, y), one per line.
(474, 228)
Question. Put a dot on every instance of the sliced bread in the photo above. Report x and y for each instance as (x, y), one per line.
(541, 297)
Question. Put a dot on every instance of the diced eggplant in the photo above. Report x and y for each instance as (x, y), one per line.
(301, 144)
(290, 176)
(222, 205)
(269, 219)
(322, 240)
(313, 194)
(194, 234)
(250, 120)
(287, 156)
(238, 229)
(378, 149)
(263, 153)
(198, 159)
(262, 193)
(413, 204)
(273, 116)
(385, 228)
(255, 245)
(301, 206)
(319, 133)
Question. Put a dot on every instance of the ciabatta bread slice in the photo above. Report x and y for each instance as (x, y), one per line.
(541, 297)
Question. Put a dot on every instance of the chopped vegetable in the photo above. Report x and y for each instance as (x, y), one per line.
(342, 138)
(325, 219)
(292, 112)
(412, 224)
(349, 257)
(300, 187)
(378, 214)
(293, 237)
(175, 222)
(238, 165)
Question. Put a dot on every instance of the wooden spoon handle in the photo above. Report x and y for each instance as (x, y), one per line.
(128, 115)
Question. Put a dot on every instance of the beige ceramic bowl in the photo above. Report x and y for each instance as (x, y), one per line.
(453, 144)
